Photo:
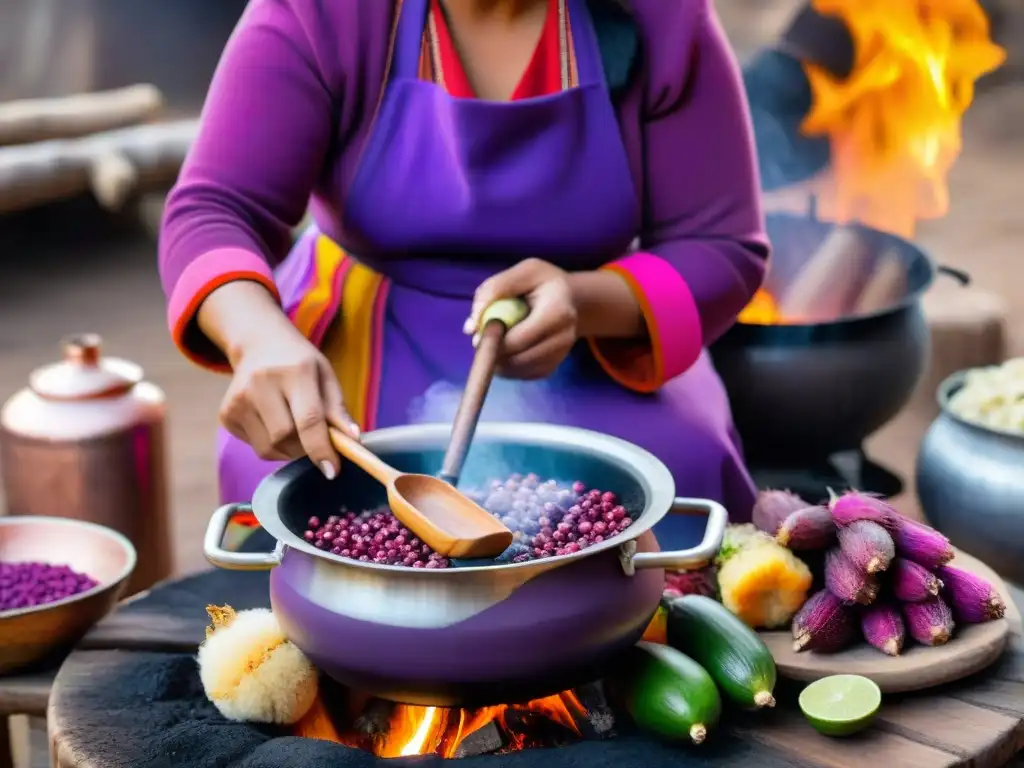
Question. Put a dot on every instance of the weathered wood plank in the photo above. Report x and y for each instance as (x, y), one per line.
(789, 733)
(1001, 695)
(983, 736)
(137, 631)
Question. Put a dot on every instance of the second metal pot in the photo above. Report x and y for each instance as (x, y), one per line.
(471, 636)
(971, 486)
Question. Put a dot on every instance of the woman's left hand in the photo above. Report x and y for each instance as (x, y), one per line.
(537, 346)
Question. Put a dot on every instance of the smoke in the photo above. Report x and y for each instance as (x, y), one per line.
(507, 401)
(780, 97)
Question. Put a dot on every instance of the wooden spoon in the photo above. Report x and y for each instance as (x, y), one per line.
(495, 322)
(452, 524)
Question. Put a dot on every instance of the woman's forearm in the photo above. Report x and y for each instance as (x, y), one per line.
(229, 217)
(236, 313)
(606, 306)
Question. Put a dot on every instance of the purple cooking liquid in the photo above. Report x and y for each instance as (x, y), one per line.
(26, 585)
(547, 519)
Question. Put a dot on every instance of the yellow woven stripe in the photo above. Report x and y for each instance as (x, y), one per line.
(328, 257)
(349, 345)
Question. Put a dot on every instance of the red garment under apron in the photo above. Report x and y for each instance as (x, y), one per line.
(543, 75)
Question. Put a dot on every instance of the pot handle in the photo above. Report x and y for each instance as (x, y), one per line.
(234, 561)
(957, 274)
(687, 559)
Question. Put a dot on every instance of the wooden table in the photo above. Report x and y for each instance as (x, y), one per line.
(25, 694)
(978, 722)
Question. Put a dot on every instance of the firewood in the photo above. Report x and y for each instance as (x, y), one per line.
(374, 721)
(33, 120)
(886, 286)
(113, 165)
(827, 286)
(483, 741)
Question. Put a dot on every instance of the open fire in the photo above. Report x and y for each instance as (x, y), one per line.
(894, 127)
(387, 730)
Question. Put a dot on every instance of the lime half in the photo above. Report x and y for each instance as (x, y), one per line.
(840, 705)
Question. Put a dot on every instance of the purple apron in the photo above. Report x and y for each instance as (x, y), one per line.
(450, 191)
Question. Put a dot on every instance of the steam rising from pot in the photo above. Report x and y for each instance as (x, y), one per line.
(507, 401)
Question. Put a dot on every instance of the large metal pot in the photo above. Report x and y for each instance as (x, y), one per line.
(971, 485)
(479, 635)
(800, 392)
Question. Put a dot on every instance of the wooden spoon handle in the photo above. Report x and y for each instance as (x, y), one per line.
(499, 318)
(359, 454)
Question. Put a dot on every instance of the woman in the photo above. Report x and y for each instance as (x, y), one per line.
(458, 151)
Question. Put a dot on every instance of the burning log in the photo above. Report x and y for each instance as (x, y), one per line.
(375, 719)
(386, 729)
(526, 728)
(831, 281)
(113, 165)
(32, 120)
(600, 720)
(483, 741)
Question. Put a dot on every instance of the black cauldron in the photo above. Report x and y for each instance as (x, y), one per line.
(800, 392)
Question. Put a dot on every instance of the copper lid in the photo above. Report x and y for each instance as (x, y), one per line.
(84, 374)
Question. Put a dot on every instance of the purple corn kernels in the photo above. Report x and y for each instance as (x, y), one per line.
(546, 519)
(28, 585)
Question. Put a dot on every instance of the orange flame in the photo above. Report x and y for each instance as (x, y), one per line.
(415, 730)
(762, 310)
(894, 123)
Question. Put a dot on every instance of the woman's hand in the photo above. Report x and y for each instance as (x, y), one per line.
(538, 345)
(284, 394)
(564, 307)
(282, 399)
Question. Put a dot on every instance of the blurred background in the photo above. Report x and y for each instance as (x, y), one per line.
(78, 215)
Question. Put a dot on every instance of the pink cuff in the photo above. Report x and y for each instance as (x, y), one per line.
(673, 326)
(201, 278)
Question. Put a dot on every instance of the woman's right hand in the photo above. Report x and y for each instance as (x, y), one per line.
(284, 394)
(283, 397)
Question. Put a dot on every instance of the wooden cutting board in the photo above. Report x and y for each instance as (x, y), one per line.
(972, 648)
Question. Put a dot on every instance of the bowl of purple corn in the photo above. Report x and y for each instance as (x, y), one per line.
(58, 577)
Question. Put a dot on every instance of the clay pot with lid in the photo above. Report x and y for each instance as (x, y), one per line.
(86, 440)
